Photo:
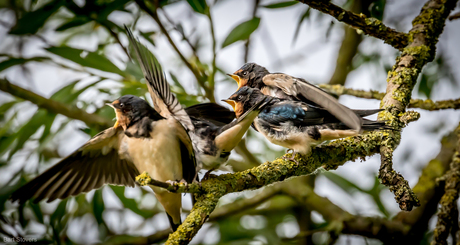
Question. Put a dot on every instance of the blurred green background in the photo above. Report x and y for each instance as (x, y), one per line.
(75, 53)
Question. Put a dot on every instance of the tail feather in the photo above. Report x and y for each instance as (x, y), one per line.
(172, 224)
(369, 125)
(365, 113)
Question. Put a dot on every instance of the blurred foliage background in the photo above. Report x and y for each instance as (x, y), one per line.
(74, 52)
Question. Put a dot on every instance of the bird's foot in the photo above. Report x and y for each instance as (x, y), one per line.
(292, 158)
(208, 174)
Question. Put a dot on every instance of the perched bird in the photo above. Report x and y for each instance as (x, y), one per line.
(213, 133)
(288, 87)
(297, 125)
(141, 140)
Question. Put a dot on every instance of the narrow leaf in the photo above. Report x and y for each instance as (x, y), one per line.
(85, 58)
(19, 61)
(30, 22)
(280, 5)
(242, 31)
(198, 6)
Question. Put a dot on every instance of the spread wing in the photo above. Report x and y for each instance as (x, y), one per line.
(163, 99)
(302, 90)
(90, 167)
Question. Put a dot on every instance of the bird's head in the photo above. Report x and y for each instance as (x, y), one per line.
(250, 74)
(244, 99)
(129, 109)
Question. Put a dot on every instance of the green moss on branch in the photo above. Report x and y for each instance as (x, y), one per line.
(369, 26)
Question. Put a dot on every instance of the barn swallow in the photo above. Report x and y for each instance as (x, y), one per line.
(297, 125)
(141, 140)
(292, 88)
(213, 140)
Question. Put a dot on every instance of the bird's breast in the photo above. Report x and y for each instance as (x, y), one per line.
(159, 155)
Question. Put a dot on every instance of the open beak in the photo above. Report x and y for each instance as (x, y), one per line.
(236, 78)
(231, 102)
(111, 105)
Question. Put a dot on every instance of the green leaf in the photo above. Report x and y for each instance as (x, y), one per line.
(60, 211)
(304, 16)
(130, 203)
(85, 58)
(30, 22)
(377, 9)
(98, 206)
(37, 211)
(199, 6)
(280, 5)
(74, 22)
(19, 61)
(242, 31)
(41, 117)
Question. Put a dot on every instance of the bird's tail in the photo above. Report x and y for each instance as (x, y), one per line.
(369, 125)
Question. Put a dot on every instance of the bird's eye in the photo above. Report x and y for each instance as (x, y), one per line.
(121, 105)
(245, 73)
(240, 97)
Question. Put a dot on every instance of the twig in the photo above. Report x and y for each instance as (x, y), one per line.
(155, 17)
(369, 26)
(246, 44)
(210, 89)
(372, 94)
(55, 106)
(454, 16)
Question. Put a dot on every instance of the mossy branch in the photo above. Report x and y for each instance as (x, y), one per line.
(55, 106)
(369, 26)
(446, 217)
(372, 94)
(423, 37)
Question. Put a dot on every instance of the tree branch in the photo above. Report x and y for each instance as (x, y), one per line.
(372, 94)
(246, 44)
(448, 201)
(369, 26)
(423, 37)
(55, 106)
(428, 189)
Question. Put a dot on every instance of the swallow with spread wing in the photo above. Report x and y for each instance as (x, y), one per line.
(141, 140)
(288, 87)
(213, 140)
(297, 125)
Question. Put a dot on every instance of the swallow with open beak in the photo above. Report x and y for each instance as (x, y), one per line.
(297, 125)
(292, 88)
(210, 126)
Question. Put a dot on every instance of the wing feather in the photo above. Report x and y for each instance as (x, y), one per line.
(164, 100)
(301, 89)
(86, 169)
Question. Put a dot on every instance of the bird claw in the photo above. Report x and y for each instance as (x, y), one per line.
(292, 158)
(208, 174)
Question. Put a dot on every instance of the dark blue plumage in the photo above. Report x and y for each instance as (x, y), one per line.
(297, 125)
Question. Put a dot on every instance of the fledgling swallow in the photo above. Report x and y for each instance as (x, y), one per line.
(141, 140)
(284, 86)
(297, 125)
(210, 126)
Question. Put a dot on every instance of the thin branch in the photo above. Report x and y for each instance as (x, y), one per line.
(373, 94)
(349, 47)
(454, 16)
(55, 106)
(369, 26)
(155, 17)
(212, 78)
(246, 44)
